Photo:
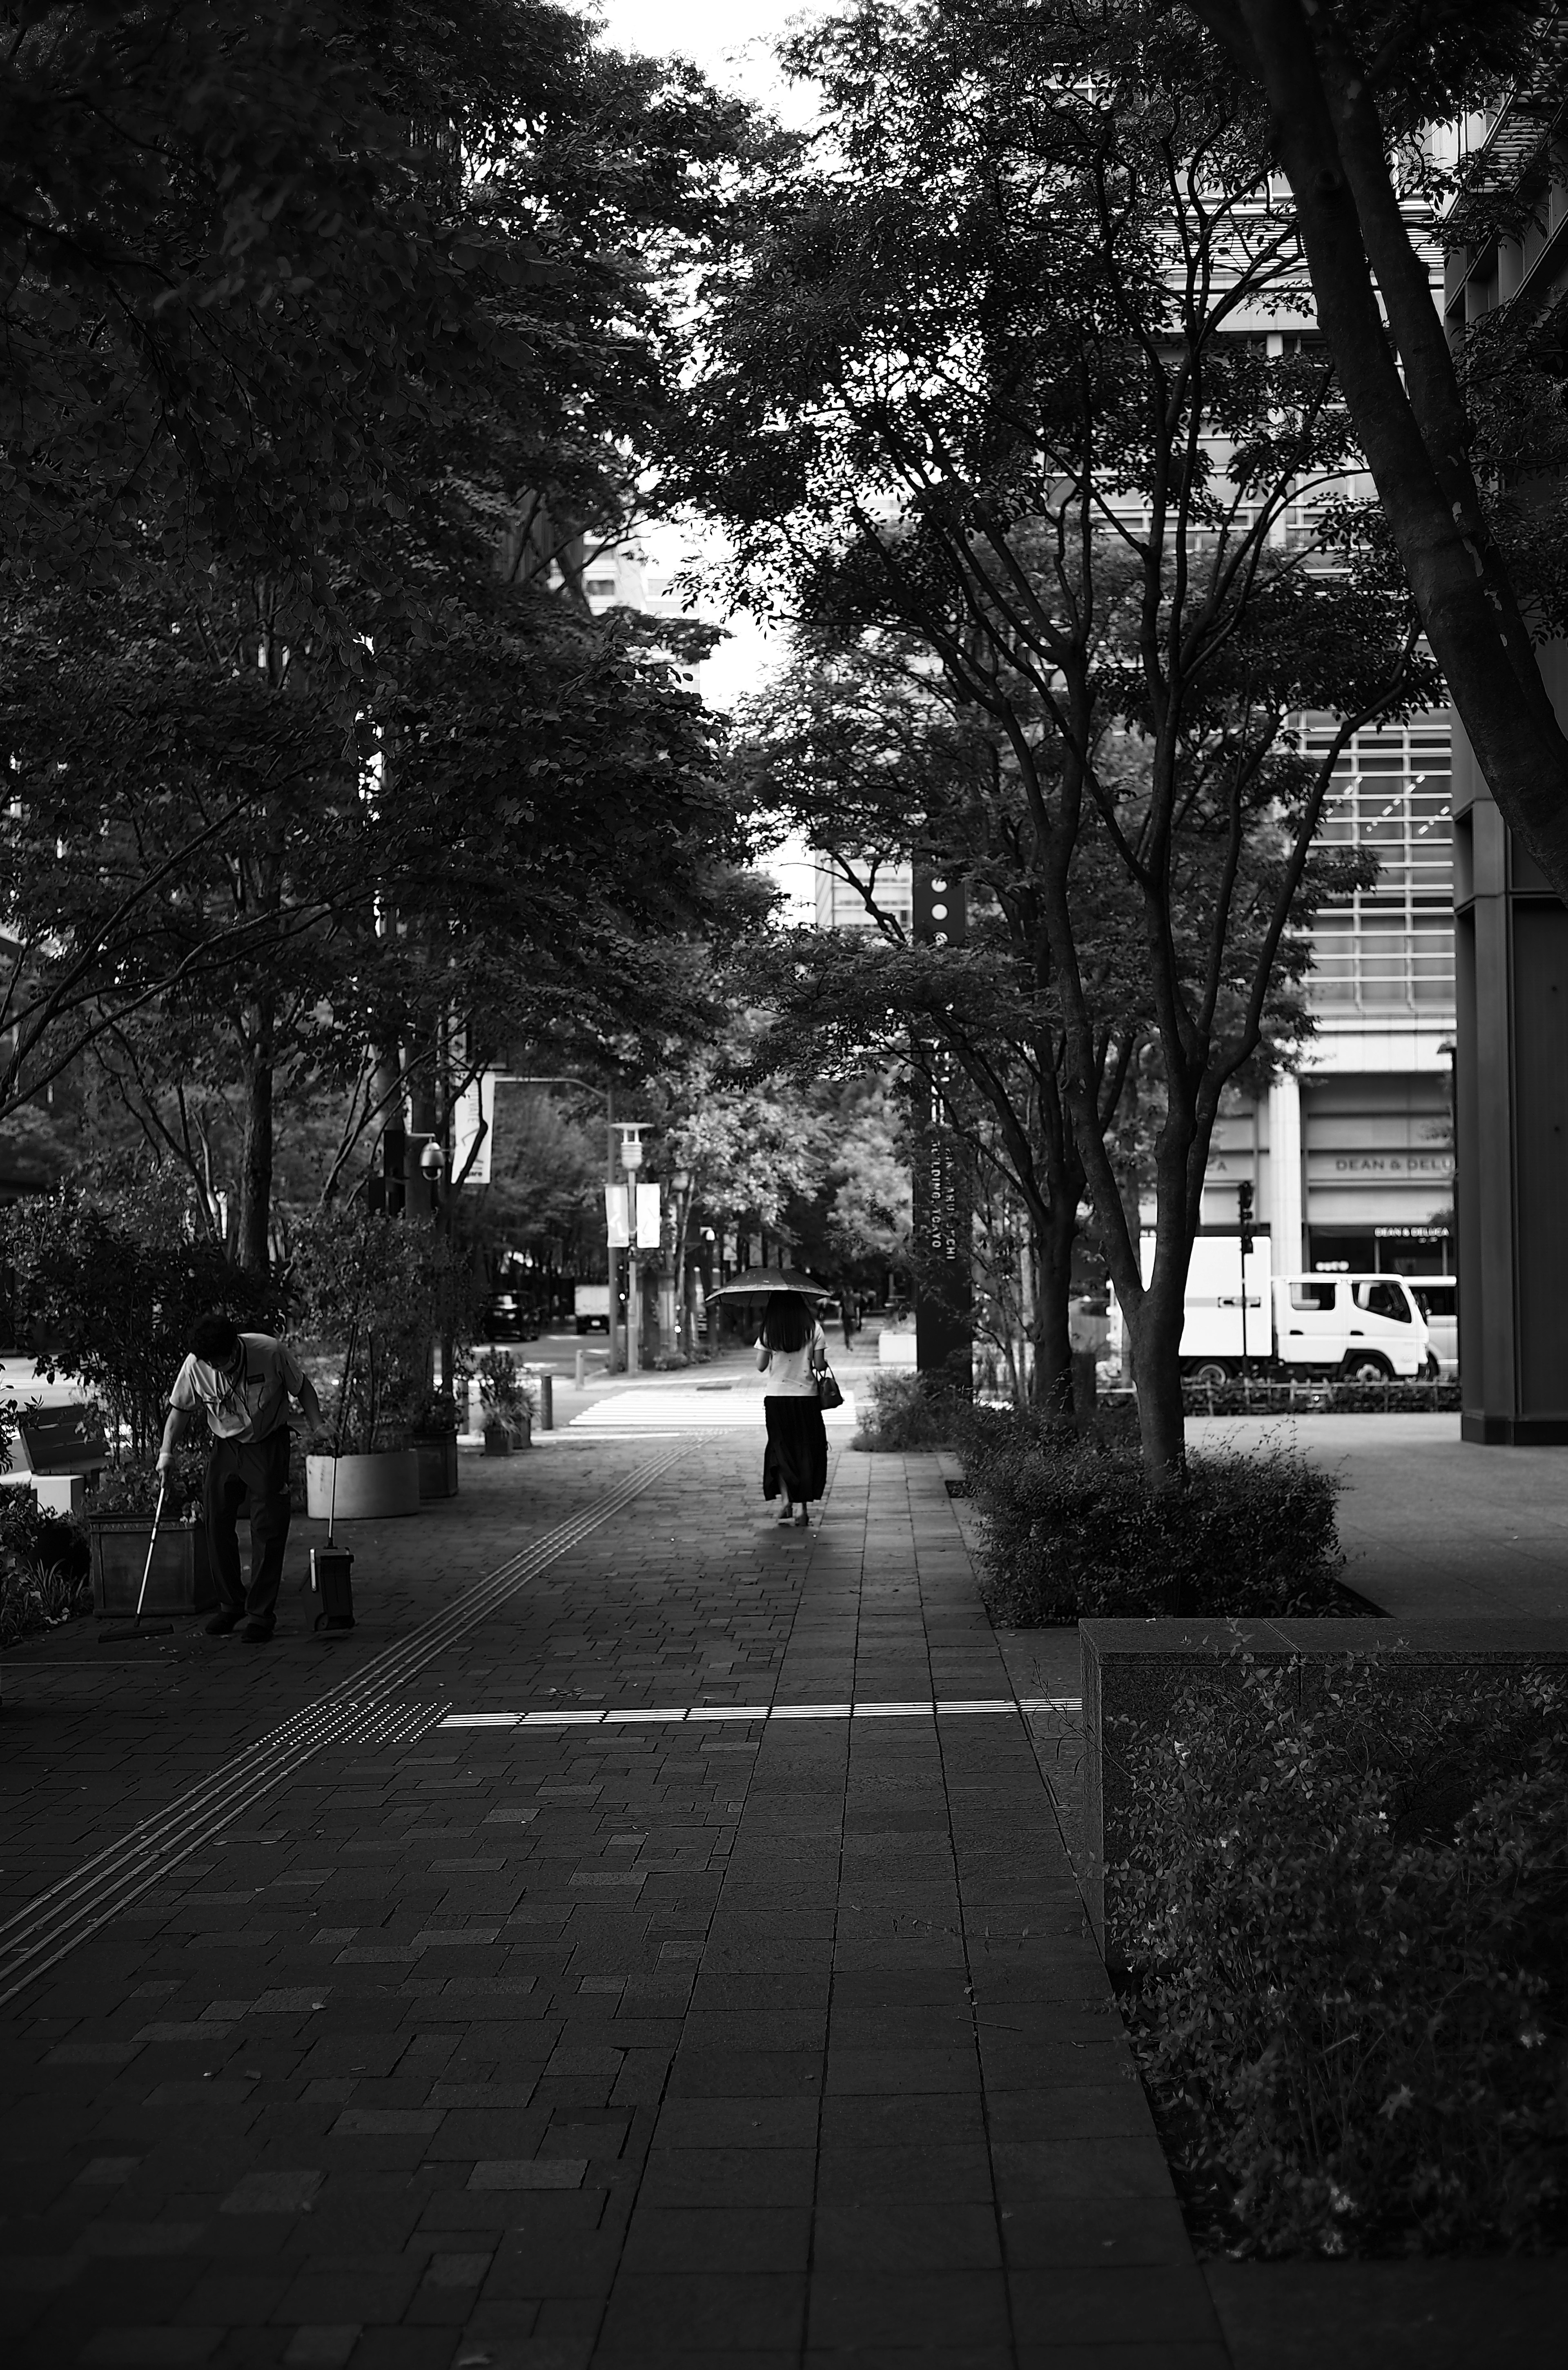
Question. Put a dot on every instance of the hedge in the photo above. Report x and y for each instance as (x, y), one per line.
(1349, 1930)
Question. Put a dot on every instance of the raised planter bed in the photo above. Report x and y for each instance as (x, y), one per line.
(368, 1488)
(1135, 1672)
(181, 1577)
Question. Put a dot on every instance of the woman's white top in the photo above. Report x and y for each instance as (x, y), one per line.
(789, 1372)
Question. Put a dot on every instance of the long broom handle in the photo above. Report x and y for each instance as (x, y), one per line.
(337, 1442)
(152, 1545)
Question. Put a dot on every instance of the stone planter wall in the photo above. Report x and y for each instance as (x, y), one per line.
(368, 1488)
(181, 1577)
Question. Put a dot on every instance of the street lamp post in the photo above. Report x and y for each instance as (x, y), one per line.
(672, 1325)
(631, 1161)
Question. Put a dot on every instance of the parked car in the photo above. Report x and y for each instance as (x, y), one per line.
(504, 1320)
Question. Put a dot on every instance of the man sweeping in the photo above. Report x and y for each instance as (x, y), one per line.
(242, 1382)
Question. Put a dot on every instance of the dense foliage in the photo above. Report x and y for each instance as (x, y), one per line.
(1072, 1529)
(899, 1412)
(44, 1568)
(1348, 1924)
(108, 1286)
(377, 1291)
(337, 340)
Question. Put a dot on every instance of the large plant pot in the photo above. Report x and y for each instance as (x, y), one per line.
(437, 1453)
(498, 1439)
(181, 1577)
(368, 1488)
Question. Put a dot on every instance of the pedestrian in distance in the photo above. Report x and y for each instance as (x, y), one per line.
(791, 1352)
(242, 1383)
(849, 1317)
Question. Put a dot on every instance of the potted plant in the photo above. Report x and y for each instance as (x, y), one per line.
(435, 1444)
(119, 1524)
(506, 1403)
(372, 1283)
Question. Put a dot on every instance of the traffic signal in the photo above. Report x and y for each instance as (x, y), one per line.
(1244, 1215)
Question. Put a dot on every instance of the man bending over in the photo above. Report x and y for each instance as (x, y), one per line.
(242, 1382)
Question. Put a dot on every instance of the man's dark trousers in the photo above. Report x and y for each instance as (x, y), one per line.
(257, 1469)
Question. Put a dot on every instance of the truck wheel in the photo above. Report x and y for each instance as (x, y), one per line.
(1366, 1366)
(1211, 1372)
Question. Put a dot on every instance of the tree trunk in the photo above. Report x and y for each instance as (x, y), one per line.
(1154, 1329)
(1345, 210)
(1053, 1378)
(256, 1158)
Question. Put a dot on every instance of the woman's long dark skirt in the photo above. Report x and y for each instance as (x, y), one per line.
(795, 1461)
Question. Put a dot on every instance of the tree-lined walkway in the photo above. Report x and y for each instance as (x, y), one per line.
(617, 2041)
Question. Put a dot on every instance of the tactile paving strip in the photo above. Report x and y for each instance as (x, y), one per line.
(362, 1710)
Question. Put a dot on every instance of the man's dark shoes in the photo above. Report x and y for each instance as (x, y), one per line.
(255, 1633)
(221, 1624)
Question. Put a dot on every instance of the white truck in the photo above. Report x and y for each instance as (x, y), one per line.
(590, 1308)
(1240, 1318)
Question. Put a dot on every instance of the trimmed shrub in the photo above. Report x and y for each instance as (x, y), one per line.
(1072, 1529)
(1349, 1930)
(900, 1411)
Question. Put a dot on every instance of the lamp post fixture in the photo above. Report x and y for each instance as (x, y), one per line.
(675, 1317)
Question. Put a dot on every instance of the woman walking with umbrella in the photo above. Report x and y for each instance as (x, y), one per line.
(791, 1352)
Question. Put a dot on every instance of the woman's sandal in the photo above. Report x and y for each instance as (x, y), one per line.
(787, 1517)
(803, 1520)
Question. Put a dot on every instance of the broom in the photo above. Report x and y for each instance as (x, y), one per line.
(117, 1632)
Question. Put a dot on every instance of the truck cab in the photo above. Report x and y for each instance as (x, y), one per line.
(1364, 1327)
(1438, 1297)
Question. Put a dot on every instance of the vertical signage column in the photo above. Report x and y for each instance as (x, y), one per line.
(944, 1283)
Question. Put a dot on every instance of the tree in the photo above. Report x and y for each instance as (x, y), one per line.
(346, 324)
(558, 820)
(989, 377)
(867, 752)
(871, 1208)
(1349, 92)
(248, 255)
(547, 1180)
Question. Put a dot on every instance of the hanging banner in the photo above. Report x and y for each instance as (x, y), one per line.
(649, 1219)
(616, 1216)
(473, 1123)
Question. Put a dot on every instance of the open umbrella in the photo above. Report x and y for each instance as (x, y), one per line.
(751, 1290)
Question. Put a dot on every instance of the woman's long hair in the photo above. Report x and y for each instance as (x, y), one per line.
(786, 1322)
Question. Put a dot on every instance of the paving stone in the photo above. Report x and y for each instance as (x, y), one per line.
(591, 2047)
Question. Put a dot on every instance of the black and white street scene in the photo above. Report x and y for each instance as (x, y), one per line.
(784, 1184)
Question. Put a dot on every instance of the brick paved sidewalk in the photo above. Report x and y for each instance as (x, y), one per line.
(620, 2042)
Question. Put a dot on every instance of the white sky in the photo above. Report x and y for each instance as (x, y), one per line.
(730, 39)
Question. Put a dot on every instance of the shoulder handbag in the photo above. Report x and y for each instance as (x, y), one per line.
(828, 1393)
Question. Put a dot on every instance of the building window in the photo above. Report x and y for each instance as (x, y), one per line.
(1392, 945)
